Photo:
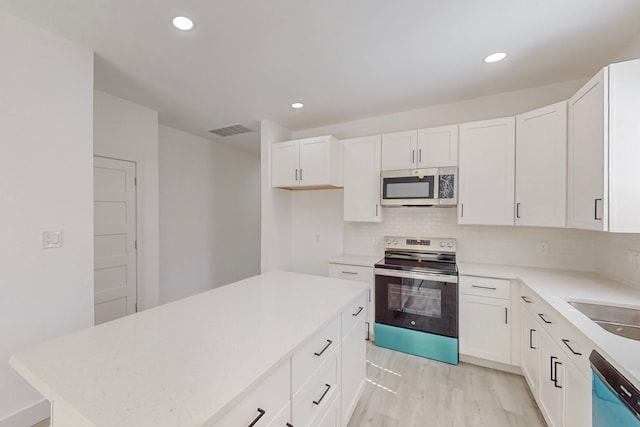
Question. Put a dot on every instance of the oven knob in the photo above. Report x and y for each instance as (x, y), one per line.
(388, 241)
(442, 244)
(413, 323)
(450, 244)
(395, 242)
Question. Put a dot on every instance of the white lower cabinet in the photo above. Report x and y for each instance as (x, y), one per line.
(353, 369)
(530, 350)
(264, 402)
(485, 326)
(361, 274)
(553, 359)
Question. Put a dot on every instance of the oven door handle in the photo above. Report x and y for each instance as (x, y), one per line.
(413, 275)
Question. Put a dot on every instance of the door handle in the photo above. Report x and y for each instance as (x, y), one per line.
(329, 342)
(420, 155)
(413, 156)
(525, 299)
(566, 342)
(358, 312)
(555, 368)
(256, 419)
(376, 209)
(595, 210)
(300, 174)
(517, 210)
(317, 402)
(296, 174)
(531, 331)
(543, 318)
(506, 316)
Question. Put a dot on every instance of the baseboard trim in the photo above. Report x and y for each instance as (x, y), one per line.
(491, 364)
(28, 416)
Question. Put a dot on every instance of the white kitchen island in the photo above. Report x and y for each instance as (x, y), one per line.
(275, 343)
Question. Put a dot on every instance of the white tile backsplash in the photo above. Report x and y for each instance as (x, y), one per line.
(611, 257)
(568, 249)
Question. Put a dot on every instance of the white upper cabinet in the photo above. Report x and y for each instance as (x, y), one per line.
(417, 149)
(486, 169)
(399, 150)
(603, 150)
(438, 147)
(362, 179)
(307, 163)
(541, 167)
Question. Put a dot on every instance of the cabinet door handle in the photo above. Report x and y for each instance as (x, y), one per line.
(329, 342)
(531, 331)
(566, 342)
(525, 299)
(358, 312)
(317, 402)
(368, 338)
(595, 210)
(506, 316)
(551, 376)
(483, 287)
(376, 209)
(555, 368)
(300, 174)
(420, 155)
(413, 156)
(296, 174)
(543, 318)
(517, 210)
(461, 210)
(256, 419)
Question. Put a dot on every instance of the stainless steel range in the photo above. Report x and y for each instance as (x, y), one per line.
(416, 289)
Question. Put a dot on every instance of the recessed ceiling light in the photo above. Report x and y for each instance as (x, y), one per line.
(182, 23)
(495, 57)
(297, 105)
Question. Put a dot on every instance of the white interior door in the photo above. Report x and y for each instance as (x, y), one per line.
(114, 192)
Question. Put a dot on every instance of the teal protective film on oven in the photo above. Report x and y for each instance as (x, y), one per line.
(608, 410)
(431, 346)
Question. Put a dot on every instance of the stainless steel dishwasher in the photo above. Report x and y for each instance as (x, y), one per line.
(616, 402)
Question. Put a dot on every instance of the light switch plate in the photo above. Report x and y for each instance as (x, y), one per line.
(51, 239)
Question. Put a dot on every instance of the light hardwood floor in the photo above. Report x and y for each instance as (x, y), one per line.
(410, 391)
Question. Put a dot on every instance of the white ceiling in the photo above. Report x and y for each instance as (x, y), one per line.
(345, 59)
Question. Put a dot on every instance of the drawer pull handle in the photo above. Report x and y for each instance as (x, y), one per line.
(483, 287)
(262, 412)
(329, 342)
(350, 272)
(358, 312)
(317, 402)
(289, 425)
(525, 299)
(566, 342)
(543, 318)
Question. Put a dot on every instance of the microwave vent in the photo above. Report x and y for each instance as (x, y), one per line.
(230, 130)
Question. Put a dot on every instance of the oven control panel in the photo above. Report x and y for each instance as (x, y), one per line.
(420, 243)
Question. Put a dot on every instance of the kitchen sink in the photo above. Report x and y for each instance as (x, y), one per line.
(621, 321)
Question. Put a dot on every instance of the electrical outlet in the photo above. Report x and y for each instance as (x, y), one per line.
(633, 259)
(51, 239)
(543, 248)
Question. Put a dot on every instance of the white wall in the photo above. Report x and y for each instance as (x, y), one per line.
(128, 131)
(276, 206)
(46, 148)
(209, 214)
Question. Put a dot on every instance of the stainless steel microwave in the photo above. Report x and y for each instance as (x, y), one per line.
(420, 187)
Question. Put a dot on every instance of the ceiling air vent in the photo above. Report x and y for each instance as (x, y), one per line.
(230, 130)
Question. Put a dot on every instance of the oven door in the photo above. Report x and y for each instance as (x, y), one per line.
(420, 301)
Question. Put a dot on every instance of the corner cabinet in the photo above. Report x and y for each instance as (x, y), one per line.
(307, 163)
(541, 167)
(603, 150)
(487, 172)
(362, 179)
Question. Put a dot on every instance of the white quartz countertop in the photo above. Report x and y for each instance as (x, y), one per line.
(185, 363)
(558, 286)
(360, 260)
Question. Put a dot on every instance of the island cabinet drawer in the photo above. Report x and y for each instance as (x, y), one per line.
(355, 312)
(317, 349)
(263, 403)
(351, 272)
(312, 401)
(485, 287)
